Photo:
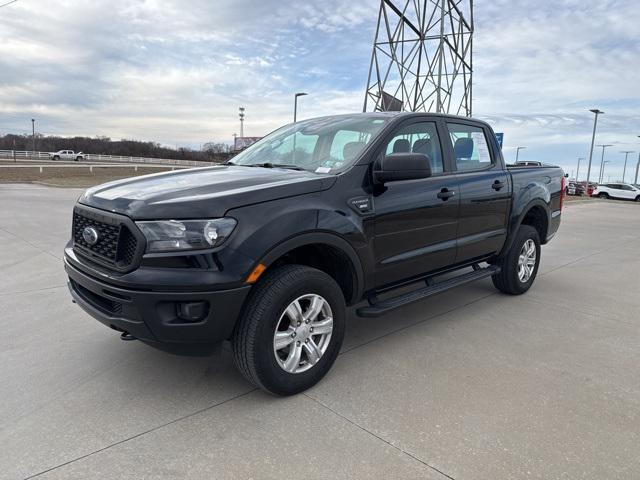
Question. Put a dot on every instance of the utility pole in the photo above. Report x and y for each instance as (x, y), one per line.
(33, 134)
(624, 170)
(593, 140)
(635, 182)
(602, 161)
(578, 169)
(241, 115)
(518, 152)
(295, 105)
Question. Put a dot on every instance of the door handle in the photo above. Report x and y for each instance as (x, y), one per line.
(445, 194)
(497, 185)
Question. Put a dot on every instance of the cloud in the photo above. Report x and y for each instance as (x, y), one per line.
(176, 71)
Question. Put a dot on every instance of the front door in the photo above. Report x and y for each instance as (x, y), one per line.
(415, 220)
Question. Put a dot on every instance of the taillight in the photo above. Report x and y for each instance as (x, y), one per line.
(563, 186)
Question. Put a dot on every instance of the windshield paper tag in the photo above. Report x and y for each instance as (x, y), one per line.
(323, 169)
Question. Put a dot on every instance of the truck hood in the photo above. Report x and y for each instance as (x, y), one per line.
(201, 192)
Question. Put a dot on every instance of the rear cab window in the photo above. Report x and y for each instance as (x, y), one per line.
(470, 147)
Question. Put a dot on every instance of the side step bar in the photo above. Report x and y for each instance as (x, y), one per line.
(378, 308)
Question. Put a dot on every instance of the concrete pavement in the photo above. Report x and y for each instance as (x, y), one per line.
(471, 384)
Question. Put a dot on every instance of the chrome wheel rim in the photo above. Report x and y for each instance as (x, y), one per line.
(527, 261)
(303, 333)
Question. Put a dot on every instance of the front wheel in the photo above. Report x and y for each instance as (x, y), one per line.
(603, 195)
(56, 157)
(519, 266)
(291, 330)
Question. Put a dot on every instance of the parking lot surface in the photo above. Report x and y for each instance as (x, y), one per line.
(471, 384)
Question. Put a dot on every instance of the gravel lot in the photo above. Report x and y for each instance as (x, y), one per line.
(471, 384)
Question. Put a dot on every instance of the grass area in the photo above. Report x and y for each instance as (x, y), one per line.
(73, 177)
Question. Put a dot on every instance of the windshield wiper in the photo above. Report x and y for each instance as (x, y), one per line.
(278, 165)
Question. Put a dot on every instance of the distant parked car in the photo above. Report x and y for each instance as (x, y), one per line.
(574, 188)
(528, 163)
(67, 155)
(621, 191)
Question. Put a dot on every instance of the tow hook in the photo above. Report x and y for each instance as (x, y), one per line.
(127, 337)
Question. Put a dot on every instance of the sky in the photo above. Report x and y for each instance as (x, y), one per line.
(176, 71)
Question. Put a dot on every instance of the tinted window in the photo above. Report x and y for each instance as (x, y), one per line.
(419, 137)
(470, 147)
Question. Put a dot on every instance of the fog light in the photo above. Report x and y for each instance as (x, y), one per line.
(192, 311)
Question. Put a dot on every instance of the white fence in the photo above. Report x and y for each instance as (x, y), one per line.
(26, 155)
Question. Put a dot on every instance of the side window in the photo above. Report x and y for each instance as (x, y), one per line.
(419, 137)
(470, 147)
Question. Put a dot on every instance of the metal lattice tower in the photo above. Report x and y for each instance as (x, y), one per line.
(422, 57)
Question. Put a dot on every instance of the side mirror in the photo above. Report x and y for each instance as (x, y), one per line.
(403, 166)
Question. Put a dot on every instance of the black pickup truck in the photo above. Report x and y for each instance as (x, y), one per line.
(269, 250)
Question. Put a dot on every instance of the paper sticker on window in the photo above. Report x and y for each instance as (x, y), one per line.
(323, 169)
(481, 147)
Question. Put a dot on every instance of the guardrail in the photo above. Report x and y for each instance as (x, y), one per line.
(92, 166)
(29, 155)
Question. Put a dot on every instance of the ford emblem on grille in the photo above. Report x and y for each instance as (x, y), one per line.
(90, 235)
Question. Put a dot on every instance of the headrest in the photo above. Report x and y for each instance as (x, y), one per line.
(463, 148)
(422, 146)
(401, 145)
(351, 149)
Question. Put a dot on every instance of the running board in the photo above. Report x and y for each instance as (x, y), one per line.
(378, 308)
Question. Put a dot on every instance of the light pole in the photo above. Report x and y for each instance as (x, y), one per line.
(624, 170)
(33, 134)
(518, 152)
(604, 164)
(578, 169)
(295, 104)
(602, 160)
(593, 140)
(635, 182)
(241, 115)
(235, 136)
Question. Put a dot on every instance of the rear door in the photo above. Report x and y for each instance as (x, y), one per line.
(485, 189)
(415, 220)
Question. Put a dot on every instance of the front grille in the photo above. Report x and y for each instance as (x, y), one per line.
(116, 247)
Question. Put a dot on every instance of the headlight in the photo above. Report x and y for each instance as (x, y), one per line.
(176, 235)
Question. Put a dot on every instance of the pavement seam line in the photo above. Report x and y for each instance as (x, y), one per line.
(151, 430)
(33, 291)
(409, 454)
(30, 244)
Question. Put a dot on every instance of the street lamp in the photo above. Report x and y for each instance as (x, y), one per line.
(578, 169)
(593, 140)
(604, 164)
(295, 104)
(624, 170)
(602, 160)
(518, 152)
(637, 167)
(33, 134)
(241, 115)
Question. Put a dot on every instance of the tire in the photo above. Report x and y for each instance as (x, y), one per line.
(638, 198)
(508, 280)
(603, 195)
(266, 310)
(56, 157)
(78, 159)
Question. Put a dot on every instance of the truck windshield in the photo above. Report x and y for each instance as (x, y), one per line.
(321, 145)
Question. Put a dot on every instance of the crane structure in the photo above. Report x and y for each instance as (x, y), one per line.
(422, 59)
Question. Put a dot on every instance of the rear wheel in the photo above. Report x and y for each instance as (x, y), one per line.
(638, 198)
(519, 266)
(291, 330)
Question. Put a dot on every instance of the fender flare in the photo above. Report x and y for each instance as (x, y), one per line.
(325, 238)
(537, 202)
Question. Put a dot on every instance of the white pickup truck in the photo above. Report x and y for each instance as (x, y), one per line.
(67, 155)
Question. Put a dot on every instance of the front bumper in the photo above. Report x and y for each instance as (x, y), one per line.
(152, 316)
